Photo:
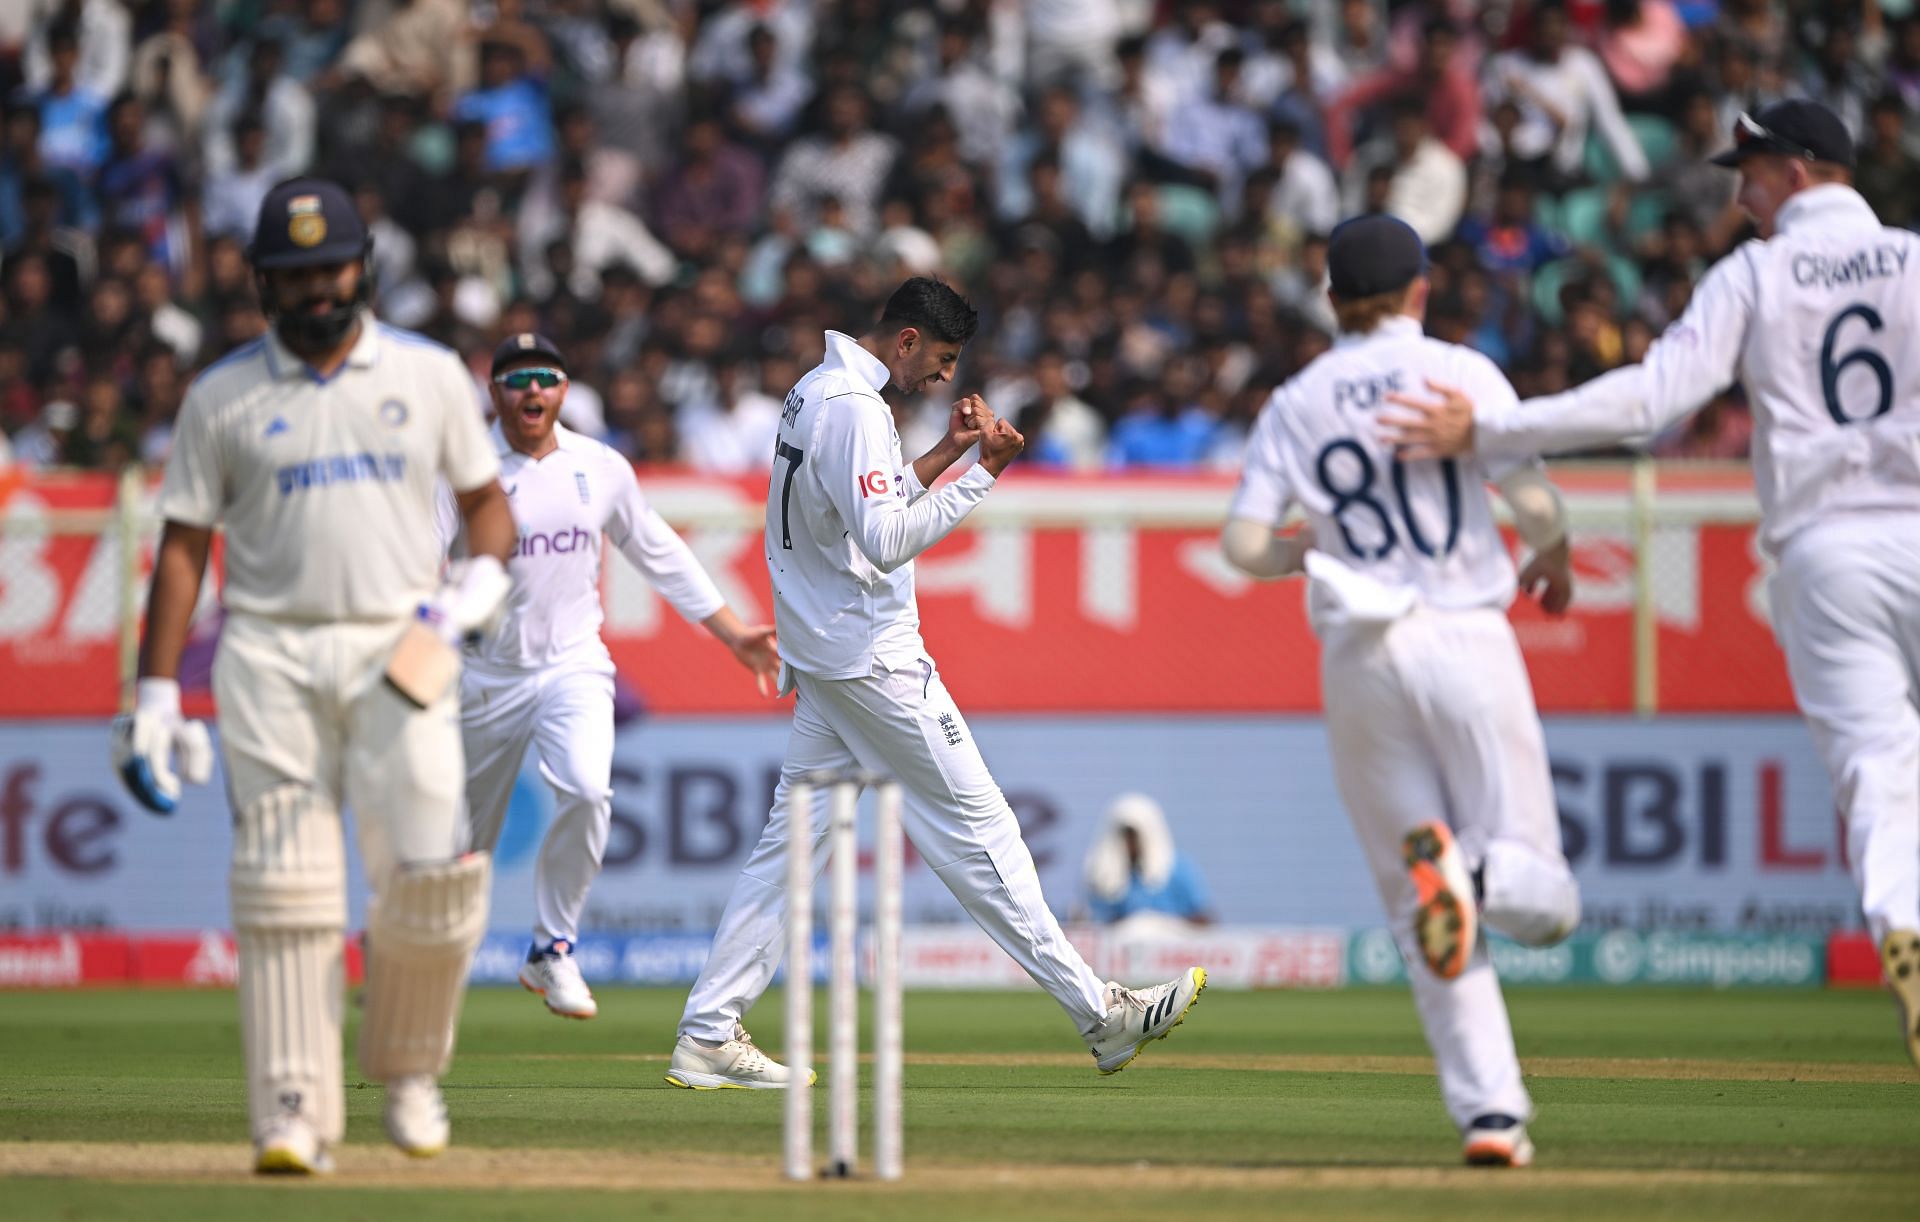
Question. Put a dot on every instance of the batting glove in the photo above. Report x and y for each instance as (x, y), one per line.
(146, 740)
(469, 602)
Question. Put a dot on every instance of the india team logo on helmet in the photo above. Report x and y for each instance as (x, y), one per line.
(306, 225)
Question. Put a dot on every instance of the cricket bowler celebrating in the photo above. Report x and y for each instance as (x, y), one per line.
(1437, 747)
(318, 449)
(846, 515)
(543, 676)
(1816, 320)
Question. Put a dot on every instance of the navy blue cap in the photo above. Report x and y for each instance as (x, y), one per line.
(1797, 127)
(307, 221)
(1373, 254)
(523, 344)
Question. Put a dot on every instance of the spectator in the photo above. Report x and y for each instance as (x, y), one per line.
(1426, 183)
(66, 253)
(168, 77)
(714, 189)
(1888, 174)
(283, 105)
(71, 134)
(597, 233)
(419, 49)
(1062, 429)
(964, 85)
(767, 104)
(1562, 92)
(1133, 868)
(233, 195)
(848, 161)
(1071, 43)
(140, 188)
(1087, 153)
(177, 332)
(103, 41)
(1217, 137)
(1641, 43)
(1441, 79)
(1305, 196)
(511, 102)
(733, 434)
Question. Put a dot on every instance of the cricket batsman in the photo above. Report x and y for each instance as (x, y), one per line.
(317, 449)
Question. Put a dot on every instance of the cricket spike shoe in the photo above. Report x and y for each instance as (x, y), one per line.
(288, 1145)
(1900, 960)
(1497, 1141)
(552, 972)
(1446, 921)
(734, 1065)
(1136, 1018)
(417, 1116)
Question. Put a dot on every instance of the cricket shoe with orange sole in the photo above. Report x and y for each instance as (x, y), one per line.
(1446, 919)
(1498, 1141)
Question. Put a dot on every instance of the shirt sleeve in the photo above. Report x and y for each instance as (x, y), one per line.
(446, 517)
(1265, 490)
(1693, 359)
(1188, 889)
(858, 469)
(662, 556)
(1490, 391)
(467, 457)
(193, 491)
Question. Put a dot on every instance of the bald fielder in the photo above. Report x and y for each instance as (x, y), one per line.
(543, 678)
(846, 516)
(1816, 320)
(317, 449)
(1437, 747)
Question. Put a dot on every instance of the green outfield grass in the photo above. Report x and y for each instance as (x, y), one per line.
(1652, 1104)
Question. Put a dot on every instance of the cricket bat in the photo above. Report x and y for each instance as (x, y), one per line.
(422, 666)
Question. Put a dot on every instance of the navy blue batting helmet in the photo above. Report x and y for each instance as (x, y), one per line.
(307, 221)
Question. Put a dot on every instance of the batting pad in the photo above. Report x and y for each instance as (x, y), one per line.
(422, 930)
(1530, 896)
(289, 890)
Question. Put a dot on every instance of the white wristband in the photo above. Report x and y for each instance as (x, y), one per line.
(161, 696)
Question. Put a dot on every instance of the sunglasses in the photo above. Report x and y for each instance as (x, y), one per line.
(526, 379)
(1749, 134)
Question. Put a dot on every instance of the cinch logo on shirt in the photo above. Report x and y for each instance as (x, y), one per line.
(341, 469)
(541, 543)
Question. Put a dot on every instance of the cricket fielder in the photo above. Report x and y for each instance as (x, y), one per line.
(1816, 320)
(846, 515)
(317, 448)
(1437, 748)
(543, 676)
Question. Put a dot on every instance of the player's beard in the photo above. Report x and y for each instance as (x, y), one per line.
(313, 333)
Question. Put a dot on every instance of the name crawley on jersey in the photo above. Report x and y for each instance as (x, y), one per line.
(1878, 262)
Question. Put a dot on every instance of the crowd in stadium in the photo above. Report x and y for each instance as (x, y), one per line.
(686, 193)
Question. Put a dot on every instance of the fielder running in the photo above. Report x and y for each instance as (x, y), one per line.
(318, 449)
(543, 676)
(846, 515)
(1437, 748)
(1815, 319)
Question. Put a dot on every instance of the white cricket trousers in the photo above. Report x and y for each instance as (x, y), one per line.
(566, 715)
(307, 726)
(1431, 716)
(1846, 610)
(902, 724)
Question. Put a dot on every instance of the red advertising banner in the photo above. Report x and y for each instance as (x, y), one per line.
(1062, 594)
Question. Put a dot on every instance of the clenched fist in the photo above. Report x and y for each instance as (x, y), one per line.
(999, 446)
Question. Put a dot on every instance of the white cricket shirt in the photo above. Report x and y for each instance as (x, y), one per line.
(1388, 535)
(1818, 324)
(562, 503)
(846, 516)
(325, 487)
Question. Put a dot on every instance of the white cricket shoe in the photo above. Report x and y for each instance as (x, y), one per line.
(555, 975)
(417, 1116)
(1497, 1141)
(1446, 920)
(734, 1065)
(1900, 960)
(288, 1145)
(1135, 1018)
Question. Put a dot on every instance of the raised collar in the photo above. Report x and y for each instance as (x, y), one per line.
(1829, 204)
(1397, 327)
(845, 352)
(282, 363)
